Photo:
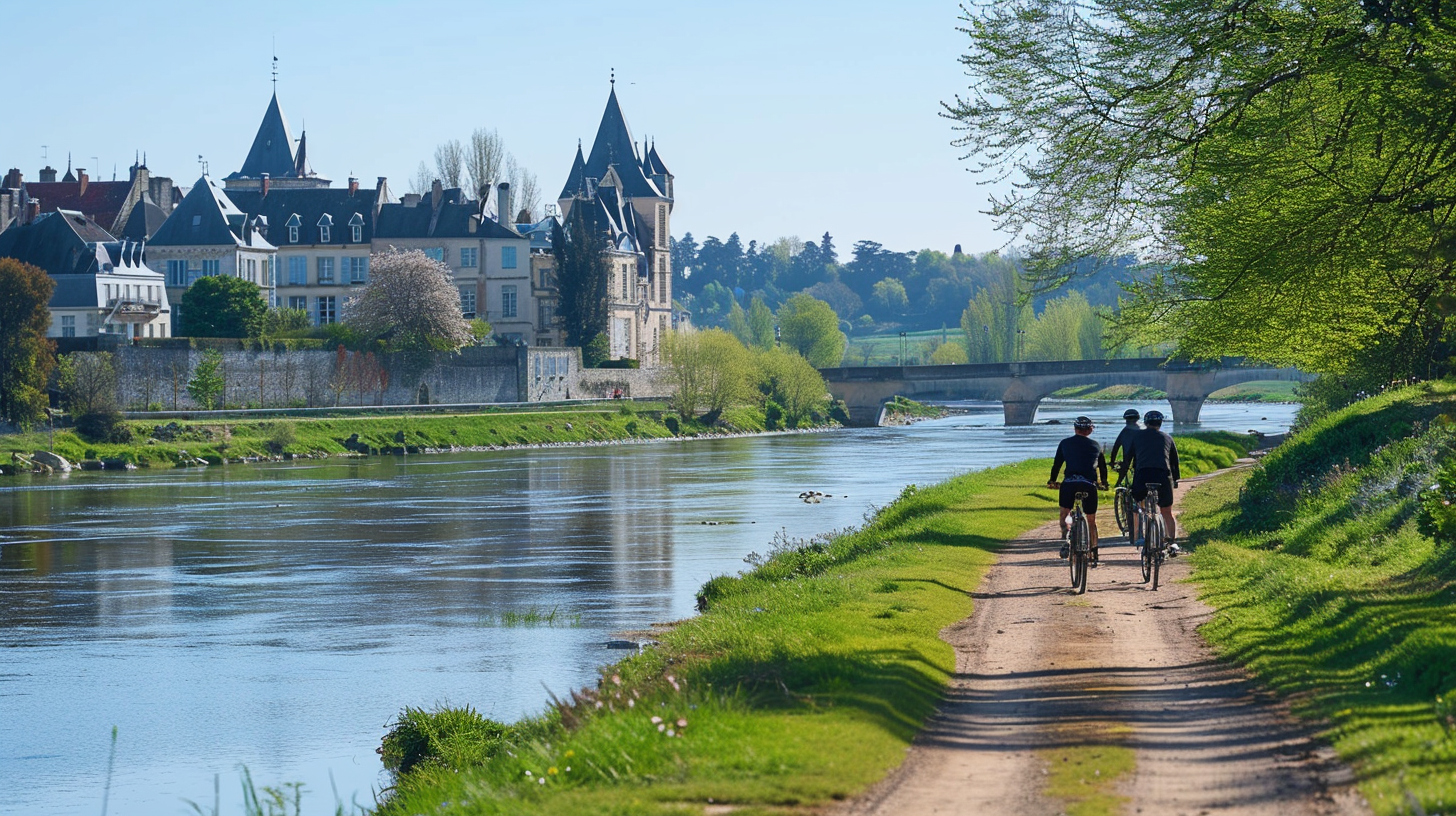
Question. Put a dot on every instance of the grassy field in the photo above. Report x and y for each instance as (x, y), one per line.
(884, 349)
(802, 683)
(162, 443)
(1328, 589)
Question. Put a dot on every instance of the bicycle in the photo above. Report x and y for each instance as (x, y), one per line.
(1079, 543)
(1155, 540)
(1122, 505)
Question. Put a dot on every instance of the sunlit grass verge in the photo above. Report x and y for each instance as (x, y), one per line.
(1328, 591)
(802, 683)
(215, 441)
(1084, 773)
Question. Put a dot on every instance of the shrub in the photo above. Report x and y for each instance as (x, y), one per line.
(626, 362)
(671, 423)
(773, 415)
(104, 426)
(281, 435)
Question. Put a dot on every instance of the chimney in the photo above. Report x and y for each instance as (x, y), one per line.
(437, 194)
(34, 212)
(48, 174)
(13, 178)
(503, 203)
(266, 182)
(83, 179)
(353, 185)
(410, 200)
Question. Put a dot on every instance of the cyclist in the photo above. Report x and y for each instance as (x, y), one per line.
(1124, 439)
(1154, 459)
(1083, 458)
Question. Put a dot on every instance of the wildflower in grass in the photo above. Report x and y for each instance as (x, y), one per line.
(552, 770)
(661, 727)
(656, 720)
(682, 723)
(528, 773)
(570, 754)
(542, 780)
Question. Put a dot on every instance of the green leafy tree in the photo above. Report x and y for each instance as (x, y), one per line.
(411, 301)
(889, 295)
(738, 324)
(760, 325)
(206, 385)
(222, 306)
(582, 274)
(809, 326)
(1288, 167)
(279, 322)
(1067, 329)
(993, 317)
(788, 380)
(709, 369)
(26, 356)
(951, 353)
(87, 381)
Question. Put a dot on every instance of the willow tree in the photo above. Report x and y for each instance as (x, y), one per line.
(26, 356)
(1287, 166)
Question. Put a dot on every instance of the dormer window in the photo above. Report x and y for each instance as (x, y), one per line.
(294, 223)
(356, 228)
(324, 225)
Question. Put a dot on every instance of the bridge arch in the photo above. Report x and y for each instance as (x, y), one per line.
(1020, 387)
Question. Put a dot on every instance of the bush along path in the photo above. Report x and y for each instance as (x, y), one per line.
(801, 684)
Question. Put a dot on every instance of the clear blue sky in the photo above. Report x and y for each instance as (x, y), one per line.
(777, 118)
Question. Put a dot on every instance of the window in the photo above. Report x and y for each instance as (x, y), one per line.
(545, 315)
(325, 223)
(68, 326)
(327, 311)
(177, 273)
(508, 301)
(356, 228)
(508, 257)
(298, 302)
(210, 268)
(357, 269)
(469, 257)
(253, 270)
(662, 279)
(435, 253)
(625, 274)
(268, 265)
(662, 225)
(323, 235)
(467, 301)
(297, 270)
(325, 270)
(294, 222)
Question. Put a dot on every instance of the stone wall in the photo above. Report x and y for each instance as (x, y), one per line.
(599, 383)
(157, 377)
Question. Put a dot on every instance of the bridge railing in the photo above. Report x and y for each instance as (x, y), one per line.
(1027, 369)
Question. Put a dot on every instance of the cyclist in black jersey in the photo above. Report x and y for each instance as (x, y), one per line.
(1085, 464)
(1153, 459)
(1124, 440)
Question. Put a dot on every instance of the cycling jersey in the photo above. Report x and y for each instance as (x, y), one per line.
(1152, 450)
(1083, 458)
(1124, 440)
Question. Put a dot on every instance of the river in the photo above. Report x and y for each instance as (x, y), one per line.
(278, 616)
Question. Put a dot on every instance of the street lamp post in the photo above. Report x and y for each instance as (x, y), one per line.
(1020, 347)
(987, 331)
(902, 348)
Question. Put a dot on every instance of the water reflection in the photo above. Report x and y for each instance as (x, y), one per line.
(280, 615)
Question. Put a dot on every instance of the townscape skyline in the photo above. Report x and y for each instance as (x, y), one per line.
(759, 114)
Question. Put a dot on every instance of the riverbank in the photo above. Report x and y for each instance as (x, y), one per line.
(1272, 391)
(182, 443)
(1333, 570)
(802, 682)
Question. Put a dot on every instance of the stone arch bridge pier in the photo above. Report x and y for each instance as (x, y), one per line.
(1020, 387)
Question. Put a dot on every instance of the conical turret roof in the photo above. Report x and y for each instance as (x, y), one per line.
(576, 179)
(613, 146)
(272, 150)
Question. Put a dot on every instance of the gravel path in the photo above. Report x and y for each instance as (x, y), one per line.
(1039, 669)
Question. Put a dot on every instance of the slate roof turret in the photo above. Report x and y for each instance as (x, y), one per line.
(272, 150)
(576, 179)
(613, 147)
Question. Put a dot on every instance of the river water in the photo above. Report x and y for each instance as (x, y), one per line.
(278, 616)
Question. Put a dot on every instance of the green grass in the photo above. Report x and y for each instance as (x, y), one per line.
(802, 683)
(884, 349)
(906, 407)
(1116, 393)
(218, 440)
(1084, 774)
(1258, 391)
(1328, 591)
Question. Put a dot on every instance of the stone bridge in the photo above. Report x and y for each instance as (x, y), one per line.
(1020, 387)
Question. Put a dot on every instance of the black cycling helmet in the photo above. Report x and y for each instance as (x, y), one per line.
(1131, 415)
(1082, 423)
(1153, 418)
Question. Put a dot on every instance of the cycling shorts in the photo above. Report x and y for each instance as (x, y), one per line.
(1071, 487)
(1161, 479)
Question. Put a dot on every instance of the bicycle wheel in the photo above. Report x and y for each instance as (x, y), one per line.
(1072, 556)
(1155, 544)
(1121, 509)
(1147, 562)
(1081, 538)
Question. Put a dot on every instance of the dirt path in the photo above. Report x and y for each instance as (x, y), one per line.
(1043, 673)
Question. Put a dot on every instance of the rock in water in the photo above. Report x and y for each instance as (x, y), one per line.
(54, 462)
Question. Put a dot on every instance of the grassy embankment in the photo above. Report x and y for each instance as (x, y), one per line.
(1330, 592)
(216, 440)
(1256, 391)
(802, 683)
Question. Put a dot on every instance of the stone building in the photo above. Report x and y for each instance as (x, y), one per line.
(631, 192)
(489, 261)
(112, 204)
(208, 235)
(272, 158)
(103, 285)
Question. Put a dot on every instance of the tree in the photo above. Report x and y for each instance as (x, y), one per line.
(710, 369)
(525, 190)
(410, 300)
(789, 380)
(279, 321)
(738, 324)
(1067, 329)
(760, 325)
(890, 295)
(222, 306)
(950, 353)
(87, 381)
(450, 163)
(809, 326)
(1287, 166)
(26, 356)
(582, 274)
(483, 162)
(840, 297)
(207, 383)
